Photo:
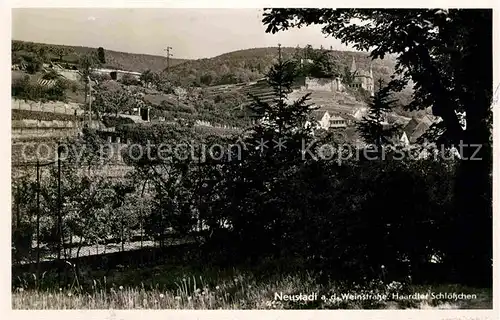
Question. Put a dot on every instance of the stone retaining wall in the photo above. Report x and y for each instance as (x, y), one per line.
(53, 106)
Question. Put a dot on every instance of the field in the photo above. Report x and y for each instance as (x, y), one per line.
(176, 287)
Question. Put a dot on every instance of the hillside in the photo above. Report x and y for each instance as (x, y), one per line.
(114, 59)
(252, 64)
(229, 69)
(228, 72)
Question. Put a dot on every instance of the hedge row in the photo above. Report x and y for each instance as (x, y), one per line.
(44, 116)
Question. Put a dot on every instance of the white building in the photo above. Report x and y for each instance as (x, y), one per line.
(337, 122)
(322, 118)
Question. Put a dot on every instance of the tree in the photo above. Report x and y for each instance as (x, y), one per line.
(279, 115)
(348, 76)
(33, 63)
(81, 208)
(24, 206)
(448, 56)
(60, 52)
(114, 101)
(41, 50)
(57, 92)
(86, 63)
(257, 212)
(168, 175)
(125, 215)
(325, 65)
(436, 49)
(101, 55)
(371, 127)
(17, 46)
(206, 79)
(128, 80)
(147, 77)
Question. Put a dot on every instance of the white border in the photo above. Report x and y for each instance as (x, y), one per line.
(5, 30)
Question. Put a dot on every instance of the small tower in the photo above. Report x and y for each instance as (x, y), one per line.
(372, 82)
(353, 65)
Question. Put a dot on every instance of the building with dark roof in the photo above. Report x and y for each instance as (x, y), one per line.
(362, 78)
(416, 128)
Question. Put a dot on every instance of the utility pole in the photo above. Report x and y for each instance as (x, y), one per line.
(168, 57)
(279, 51)
(37, 219)
(59, 218)
(90, 101)
(18, 205)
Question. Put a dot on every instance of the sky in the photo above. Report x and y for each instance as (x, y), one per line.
(192, 33)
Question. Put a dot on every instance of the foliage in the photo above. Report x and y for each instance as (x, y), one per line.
(116, 121)
(100, 77)
(129, 80)
(125, 217)
(75, 202)
(31, 62)
(113, 101)
(61, 52)
(180, 287)
(24, 209)
(371, 127)
(86, 63)
(250, 203)
(101, 55)
(253, 64)
(43, 116)
(148, 77)
(322, 63)
(310, 200)
(423, 49)
(27, 89)
(114, 59)
(278, 115)
(447, 54)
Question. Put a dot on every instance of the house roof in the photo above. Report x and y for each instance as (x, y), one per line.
(336, 118)
(415, 128)
(410, 126)
(319, 114)
(427, 120)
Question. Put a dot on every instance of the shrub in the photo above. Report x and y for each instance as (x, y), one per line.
(44, 116)
(25, 89)
(116, 121)
(128, 80)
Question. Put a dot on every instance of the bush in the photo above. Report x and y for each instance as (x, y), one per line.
(25, 89)
(116, 121)
(332, 217)
(129, 80)
(101, 77)
(44, 116)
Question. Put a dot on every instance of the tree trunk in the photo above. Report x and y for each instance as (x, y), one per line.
(472, 238)
(70, 245)
(86, 91)
(77, 264)
(122, 236)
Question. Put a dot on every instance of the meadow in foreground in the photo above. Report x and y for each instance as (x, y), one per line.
(232, 289)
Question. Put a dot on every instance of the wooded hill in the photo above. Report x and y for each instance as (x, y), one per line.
(229, 68)
(233, 67)
(251, 64)
(114, 59)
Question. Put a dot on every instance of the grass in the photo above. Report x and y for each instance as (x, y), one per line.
(171, 287)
